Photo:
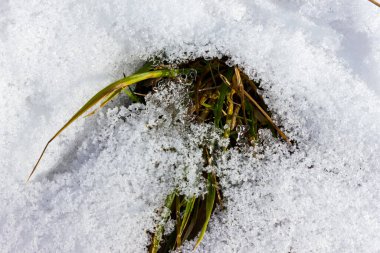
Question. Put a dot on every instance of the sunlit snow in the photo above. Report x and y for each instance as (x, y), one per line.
(101, 182)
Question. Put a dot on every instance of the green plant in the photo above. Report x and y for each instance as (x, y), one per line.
(220, 95)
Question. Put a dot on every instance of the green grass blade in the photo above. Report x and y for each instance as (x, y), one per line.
(110, 97)
(160, 229)
(262, 111)
(194, 219)
(118, 85)
(208, 106)
(107, 99)
(252, 121)
(131, 95)
(210, 199)
(223, 91)
(186, 215)
(148, 66)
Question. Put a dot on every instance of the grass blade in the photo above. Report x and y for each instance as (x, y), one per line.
(210, 199)
(108, 99)
(217, 188)
(118, 85)
(223, 91)
(160, 229)
(145, 68)
(178, 220)
(375, 3)
(193, 220)
(230, 112)
(241, 92)
(131, 95)
(186, 215)
(252, 122)
(225, 80)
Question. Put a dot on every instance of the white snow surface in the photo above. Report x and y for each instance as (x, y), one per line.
(102, 181)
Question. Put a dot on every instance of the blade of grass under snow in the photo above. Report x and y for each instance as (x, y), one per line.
(160, 229)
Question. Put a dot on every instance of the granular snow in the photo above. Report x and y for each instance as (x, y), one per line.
(97, 189)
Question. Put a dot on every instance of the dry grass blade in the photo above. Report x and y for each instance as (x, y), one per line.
(234, 116)
(283, 136)
(241, 89)
(218, 194)
(230, 113)
(178, 220)
(375, 3)
(118, 85)
(225, 80)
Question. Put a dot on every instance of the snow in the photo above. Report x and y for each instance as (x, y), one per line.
(101, 183)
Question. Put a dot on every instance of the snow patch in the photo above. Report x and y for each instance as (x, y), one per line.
(98, 189)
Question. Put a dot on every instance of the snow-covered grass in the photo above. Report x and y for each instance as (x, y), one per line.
(96, 191)
(202, 92)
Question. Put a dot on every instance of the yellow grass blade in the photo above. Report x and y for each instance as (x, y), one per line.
(109, 97)
(239, 84)
(118, 85)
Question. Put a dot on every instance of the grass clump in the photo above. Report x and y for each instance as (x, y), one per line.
(221, 95)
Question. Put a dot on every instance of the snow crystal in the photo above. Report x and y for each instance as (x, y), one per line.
(101, 183)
